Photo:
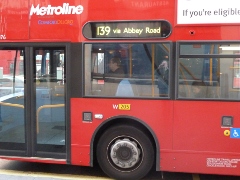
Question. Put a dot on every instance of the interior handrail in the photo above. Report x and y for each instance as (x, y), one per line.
(43, 107)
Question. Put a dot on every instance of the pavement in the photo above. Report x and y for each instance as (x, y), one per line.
(21, 175)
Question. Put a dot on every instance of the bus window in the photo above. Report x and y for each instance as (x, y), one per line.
(12, 101)
(127, 70)
(209, 67)
(47, 70)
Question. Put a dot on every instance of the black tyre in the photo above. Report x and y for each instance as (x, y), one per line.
(125, 153)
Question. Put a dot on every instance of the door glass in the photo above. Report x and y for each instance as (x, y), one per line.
(50, 99)
(12, 117)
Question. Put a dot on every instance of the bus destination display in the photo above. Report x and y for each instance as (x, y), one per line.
(133, 29)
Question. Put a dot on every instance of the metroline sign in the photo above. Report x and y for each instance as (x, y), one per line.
(56, 10)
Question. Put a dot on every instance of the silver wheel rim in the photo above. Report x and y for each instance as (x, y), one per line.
(125, 153)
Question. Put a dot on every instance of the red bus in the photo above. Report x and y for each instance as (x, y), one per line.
(129, 85)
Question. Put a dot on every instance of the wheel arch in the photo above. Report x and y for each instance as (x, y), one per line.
(117, 120)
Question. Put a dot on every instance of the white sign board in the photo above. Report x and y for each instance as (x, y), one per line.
(208, 11)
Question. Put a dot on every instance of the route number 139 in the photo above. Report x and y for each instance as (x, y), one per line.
(103, 30)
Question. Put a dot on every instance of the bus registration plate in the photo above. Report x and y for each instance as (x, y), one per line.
(125, 107)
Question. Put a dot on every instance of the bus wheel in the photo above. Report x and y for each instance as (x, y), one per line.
(125, 152)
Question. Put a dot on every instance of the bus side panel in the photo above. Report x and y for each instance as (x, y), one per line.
(129, 10)
(14, 20)
(197, 125)
(157, 113)
(200, 143)
(209, 32)
(126, 10)
(200, 162)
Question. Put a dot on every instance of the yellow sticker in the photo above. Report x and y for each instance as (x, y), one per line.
(226, 133)
(125, 107)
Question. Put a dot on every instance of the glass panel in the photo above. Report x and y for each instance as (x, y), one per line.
(50, 99)
(210, 77)
(12, 122)
(205, 49)
(127, 70)
(199, 76)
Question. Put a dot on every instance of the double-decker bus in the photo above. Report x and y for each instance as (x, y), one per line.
(130, 85)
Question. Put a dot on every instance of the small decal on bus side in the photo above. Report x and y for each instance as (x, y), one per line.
(123, 107)
(235, 133)
(222, 162)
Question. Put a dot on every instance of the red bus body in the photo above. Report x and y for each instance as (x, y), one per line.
(187, 134)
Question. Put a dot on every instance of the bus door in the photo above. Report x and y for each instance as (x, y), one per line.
(49, 89)
(32, 102)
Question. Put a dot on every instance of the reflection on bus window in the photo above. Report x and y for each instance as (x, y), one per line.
(47, 70)
(127, 70)
(11, 72)
(212, 69)
(12, 102)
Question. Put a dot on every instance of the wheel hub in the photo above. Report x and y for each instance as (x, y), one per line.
(125, 153)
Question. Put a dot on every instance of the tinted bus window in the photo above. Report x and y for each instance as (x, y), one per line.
(212, 72)
(127, 70)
